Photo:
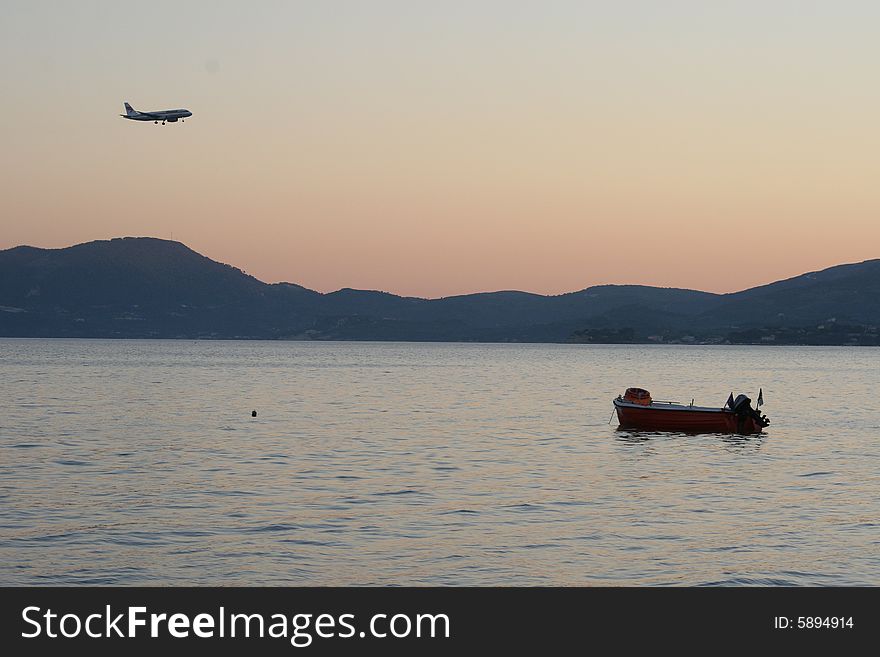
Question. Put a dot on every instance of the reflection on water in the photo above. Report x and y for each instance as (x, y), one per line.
(740, 443)
(733, 440)
(137, 462)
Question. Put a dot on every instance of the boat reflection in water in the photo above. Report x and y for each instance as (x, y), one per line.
(637, 410)
(645, 443)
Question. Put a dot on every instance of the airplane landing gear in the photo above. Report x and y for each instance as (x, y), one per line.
(155, 122)
(163, 122)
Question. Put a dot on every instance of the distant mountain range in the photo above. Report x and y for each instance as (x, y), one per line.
(151, 288)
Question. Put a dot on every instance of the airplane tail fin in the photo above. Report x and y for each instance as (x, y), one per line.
(129, 110)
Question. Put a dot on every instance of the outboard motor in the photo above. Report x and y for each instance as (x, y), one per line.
(742, 406)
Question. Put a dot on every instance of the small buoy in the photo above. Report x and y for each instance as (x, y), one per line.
(253, 414)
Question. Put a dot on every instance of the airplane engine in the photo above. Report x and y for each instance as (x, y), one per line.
(172, 120)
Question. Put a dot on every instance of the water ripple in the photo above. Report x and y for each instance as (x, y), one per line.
(138, 462)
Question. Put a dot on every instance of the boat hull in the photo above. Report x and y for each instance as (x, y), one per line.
(671, 417)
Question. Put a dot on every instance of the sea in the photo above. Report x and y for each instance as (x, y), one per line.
(128, 462)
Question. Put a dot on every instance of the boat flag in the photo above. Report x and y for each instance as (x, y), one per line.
(760, 397)
(730, 402)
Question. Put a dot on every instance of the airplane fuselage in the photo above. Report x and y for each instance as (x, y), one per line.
(171, 116)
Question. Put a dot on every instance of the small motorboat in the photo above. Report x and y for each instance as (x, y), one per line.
(637, 410)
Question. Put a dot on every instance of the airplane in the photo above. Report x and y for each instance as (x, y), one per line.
(164, 115)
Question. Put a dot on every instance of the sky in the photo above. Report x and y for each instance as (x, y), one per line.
(440, 148)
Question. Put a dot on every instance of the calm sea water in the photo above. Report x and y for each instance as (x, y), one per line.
(136, 462)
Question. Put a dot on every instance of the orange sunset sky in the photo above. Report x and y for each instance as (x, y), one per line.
(438, 148)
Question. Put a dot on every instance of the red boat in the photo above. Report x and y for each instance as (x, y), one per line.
(637, 410)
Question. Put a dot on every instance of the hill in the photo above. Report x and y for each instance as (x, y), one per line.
(152, 288)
